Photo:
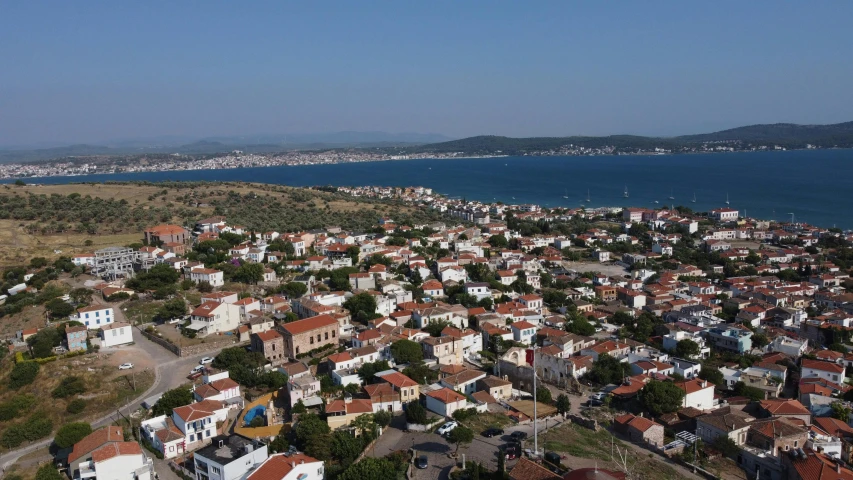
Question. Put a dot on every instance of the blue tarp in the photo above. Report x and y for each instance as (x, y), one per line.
(259, 411)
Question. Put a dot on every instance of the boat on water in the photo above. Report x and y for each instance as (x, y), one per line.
(671, 194)
(566, 195)
(694, 197)
(727, 198)
(587, 195)
(626, 192)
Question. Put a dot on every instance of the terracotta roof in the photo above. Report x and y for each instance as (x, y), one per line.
(313, 323)
(692, 386)
(278, 467)
(823, 366)
(170, 433)
(463, 377)
(115, 449)
(205, 309)
(95, 440)
(215, 387)
(166, 230)
(525, 469)
(268, 336)
(398, 380)
(785, 407)
(381, 392)
(834, 427)
(198, 410)
(339, 357)
(93, 308)
(817, 466)
(446, 395)
(483, 397)
(357, 405)
(776, 428)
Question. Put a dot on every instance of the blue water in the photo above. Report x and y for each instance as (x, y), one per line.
(816, 185)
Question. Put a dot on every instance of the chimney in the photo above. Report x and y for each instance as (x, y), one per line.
(301, 462)
(293, 464)
(837, 467)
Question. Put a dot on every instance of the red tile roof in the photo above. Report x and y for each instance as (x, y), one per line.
(115, 449)
(198, 410)
(313, 323)
(446, 395)
(95, 440)
(277, 467)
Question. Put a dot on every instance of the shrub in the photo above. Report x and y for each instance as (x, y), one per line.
(257, 422)
(76, 406)
(71, 433)
(69, 386)
(23, 374)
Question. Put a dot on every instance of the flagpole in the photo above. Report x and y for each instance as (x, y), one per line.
(535, 414)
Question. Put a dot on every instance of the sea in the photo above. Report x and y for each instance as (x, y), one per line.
(813, 186)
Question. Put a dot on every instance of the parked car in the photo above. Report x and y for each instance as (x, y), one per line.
(422, 462)
(511, 451)
(493, 432)
(552, 459)
(598, 396)
(446, 428)
(206, 360)
(518, 436)
(197, 369)
(594, 403)
(125, 366)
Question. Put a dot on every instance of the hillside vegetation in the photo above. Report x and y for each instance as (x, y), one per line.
(38, 219)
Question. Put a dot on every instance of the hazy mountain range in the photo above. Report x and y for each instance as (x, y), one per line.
(784, 134)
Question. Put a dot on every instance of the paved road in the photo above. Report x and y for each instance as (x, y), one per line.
(170, 372)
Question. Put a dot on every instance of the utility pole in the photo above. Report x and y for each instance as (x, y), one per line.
(535, 414)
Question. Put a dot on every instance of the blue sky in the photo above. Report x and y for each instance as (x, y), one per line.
(95, 71)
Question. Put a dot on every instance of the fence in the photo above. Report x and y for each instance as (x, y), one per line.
(190, 350)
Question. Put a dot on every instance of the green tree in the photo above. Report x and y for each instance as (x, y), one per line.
(369, 468)
(367, 371)
(71, 433)
(299, 408)
(81, 295)
(498, 241)
(23, 373)
(249, 273)
(48, 472)
(726, 446)
(171, 399)
(460, 435)
(309, 425)
(415, 413)
(661, 397)
(581, 326)
(345, 447)
(741, 389)
(68, 386)
(759, 340)
(59, 308)
(840, 411)
(174, 308)
(382, 418)
(294, 289)
(687, 348)
(543, 395)
(564, 404)
(607, 370)
(713, 375)
(362, 307)
(406, 351)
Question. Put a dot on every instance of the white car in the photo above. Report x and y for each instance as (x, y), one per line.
(125, 366)
(196, 369)
(446, 428)
(598, 396)
(206, 360)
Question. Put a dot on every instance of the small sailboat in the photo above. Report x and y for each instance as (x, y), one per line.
(727, 198)
(587, 195)
(694, 197)
(671, 194)
(657, 201)
(566, 194)
(626, 192)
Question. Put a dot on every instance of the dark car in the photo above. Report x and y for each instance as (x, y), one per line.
(493, 432)
(552, 459)
(511, 451)
(422, 462)
(518, 436)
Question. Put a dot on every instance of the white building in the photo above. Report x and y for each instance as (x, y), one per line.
(94, 316)
(523, 332)
(698, 394)
(210, 275)
(292, 467)
(445, 401)
(725, 214)
(832, 372)
(118, 333)
(229, 458)
(213, 317)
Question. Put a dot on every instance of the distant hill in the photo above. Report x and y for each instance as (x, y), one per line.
(787, 133)
(489, 144)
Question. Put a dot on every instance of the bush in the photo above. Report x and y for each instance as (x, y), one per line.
(12, 408)
(71, 433)
(464, 413)
(257, 422)
(69, 386)
(48, 472)
(76, 406)
(415, 413)
(23, 374)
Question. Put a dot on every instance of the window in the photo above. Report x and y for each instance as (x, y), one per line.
(327, 335)
(312, 340)
(333, 334)
(319, 338)
(214, 470)
(114, 332)
(192, 437)
(795, 443)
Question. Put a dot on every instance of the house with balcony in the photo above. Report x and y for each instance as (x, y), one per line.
(340, 413)
(283, 466)
(188, 428)
(733, 339)
(94, 316)
(229, 457)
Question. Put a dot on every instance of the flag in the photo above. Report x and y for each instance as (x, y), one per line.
(530, 356)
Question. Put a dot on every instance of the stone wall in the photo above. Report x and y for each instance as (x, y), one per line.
(584, 422)
(163, 343)
(192, 350)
